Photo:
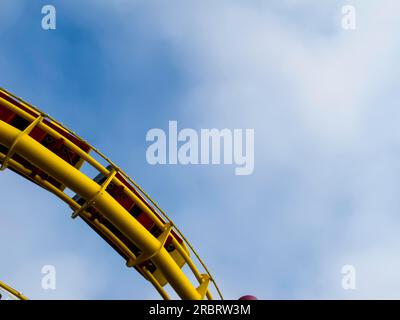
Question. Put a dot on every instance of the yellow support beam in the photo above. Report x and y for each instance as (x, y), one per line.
(203, 287)
(26, 131)
(72, 178)
(93, 200)
(34, 116)
(14, 292)
(148, 255)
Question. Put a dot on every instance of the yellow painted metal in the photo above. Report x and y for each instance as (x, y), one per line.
(11, 151)
(203, 287)
(192, 267)
(46, 160)
(158, 287)
(93, 200)
(14, 292)
(85, 156)
(84, 214)
(149, 255)
(95, 196)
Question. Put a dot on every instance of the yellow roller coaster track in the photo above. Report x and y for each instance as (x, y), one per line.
(42, 150)
(10, 293)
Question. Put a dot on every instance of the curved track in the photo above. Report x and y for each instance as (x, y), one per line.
(8, 293)
(39, 148)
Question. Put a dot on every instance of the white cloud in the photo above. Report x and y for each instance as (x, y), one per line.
(313, 98)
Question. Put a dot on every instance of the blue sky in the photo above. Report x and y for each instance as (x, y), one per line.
(323, 103)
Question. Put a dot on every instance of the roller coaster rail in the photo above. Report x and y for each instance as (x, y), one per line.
(41, 149)
(10, 293)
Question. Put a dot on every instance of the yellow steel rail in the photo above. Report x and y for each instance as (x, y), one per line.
(14, 292)
(21, 143)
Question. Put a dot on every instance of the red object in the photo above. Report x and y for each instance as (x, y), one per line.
(248, 297)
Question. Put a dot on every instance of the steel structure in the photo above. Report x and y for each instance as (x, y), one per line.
(8, 293)
(39, 148)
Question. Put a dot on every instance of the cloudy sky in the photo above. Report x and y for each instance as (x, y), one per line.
(323, 102)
